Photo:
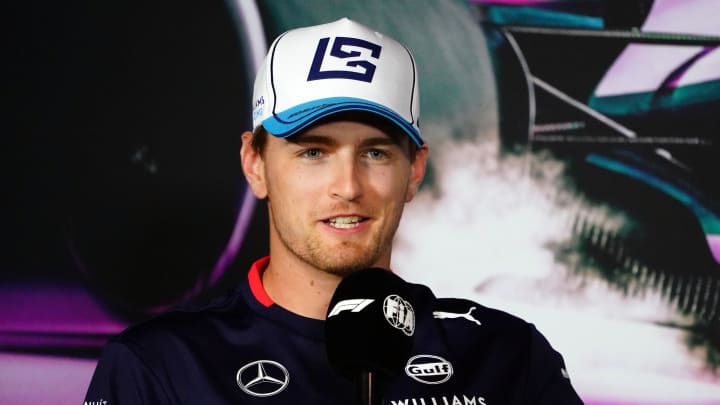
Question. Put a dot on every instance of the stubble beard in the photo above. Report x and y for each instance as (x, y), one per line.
(340, 260)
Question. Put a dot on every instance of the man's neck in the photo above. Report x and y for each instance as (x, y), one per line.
(299, 289)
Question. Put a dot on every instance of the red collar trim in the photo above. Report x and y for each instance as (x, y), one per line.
(255, 279)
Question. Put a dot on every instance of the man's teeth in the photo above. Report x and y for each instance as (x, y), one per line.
(345, 222)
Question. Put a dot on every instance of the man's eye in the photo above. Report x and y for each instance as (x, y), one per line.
(377, 154)
(312, 153)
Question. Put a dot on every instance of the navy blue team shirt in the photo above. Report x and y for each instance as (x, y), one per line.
(244, 349)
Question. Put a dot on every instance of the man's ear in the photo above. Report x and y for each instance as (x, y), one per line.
(417, 172)
(253, 166)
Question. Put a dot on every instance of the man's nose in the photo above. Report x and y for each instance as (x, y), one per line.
(346, 183)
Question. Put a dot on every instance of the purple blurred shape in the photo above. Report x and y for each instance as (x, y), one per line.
(33, 379)
(53, 316)
(714, 243)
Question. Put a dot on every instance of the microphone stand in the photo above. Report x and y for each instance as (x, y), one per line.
(370, 393)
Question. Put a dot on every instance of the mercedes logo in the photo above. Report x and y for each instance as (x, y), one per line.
(263, 378)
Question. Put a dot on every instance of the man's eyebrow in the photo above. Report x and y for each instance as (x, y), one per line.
(379, 141)
(310, 138)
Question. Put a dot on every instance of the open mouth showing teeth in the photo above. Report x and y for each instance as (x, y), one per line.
(344, 222)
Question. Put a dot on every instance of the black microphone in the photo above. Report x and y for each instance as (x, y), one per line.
(369, 329)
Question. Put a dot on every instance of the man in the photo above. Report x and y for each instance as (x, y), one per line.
(336, 152)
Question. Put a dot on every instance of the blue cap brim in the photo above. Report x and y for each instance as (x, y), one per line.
(294, 120)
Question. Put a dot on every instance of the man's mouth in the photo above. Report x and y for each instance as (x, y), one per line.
(345, 222)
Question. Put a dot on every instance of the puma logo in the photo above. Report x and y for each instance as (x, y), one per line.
(451, 315)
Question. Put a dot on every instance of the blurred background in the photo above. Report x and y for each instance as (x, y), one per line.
(573, 145)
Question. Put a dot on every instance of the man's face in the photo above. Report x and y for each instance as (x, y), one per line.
(336, 193)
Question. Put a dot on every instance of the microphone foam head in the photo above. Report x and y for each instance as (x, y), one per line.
(370, 323)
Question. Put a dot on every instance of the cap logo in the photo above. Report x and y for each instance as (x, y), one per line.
(349, 58)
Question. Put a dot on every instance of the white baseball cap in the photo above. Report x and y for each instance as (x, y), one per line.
(312, 72)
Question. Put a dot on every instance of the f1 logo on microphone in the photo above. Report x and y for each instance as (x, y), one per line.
(354, 305)
(343, 62)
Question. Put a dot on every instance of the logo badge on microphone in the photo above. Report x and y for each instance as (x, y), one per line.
(354, 305)
(399, 313)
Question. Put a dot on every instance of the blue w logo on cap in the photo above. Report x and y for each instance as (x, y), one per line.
(359, 67)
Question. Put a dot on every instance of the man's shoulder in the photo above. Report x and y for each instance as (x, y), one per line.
(466, 331)
(465, 323)
(186, 321)
(480, 314)
(468, 311)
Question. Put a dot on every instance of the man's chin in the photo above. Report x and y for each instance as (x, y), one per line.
(344, 267)
(338, 257)
(343, 264)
